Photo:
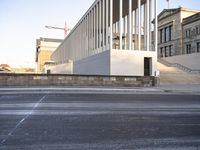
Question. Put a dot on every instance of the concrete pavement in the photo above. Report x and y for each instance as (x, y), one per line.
(162, 89)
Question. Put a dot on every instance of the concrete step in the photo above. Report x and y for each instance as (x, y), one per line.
(173, 75)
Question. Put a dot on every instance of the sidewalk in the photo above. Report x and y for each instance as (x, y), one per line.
(162, 89)
(184, 88)
(86, 89)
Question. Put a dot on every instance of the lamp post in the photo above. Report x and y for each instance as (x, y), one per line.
(168, 3)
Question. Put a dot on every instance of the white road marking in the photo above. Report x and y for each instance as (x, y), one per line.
(98, 112)
(22, 120)
(100, 105)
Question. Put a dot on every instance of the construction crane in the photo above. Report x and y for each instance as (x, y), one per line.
(65, 29)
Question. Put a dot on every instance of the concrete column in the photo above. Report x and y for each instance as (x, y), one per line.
(132, 29)
(79, 37)
(81, 32)
(156, 26)
(136, 28)
(74, 53)
(103, 25)
(139, 25)
(83, 38)
(80, 47)
(85, 35)
(148, 29)
(91, 31)
(130, 25)
(145, 26)
(97, 28)
(120, 24)
(100, 24)
(94, 38)
(111, 23)
(107, 13)
(150, 24)
(88, 34)
(125, 32)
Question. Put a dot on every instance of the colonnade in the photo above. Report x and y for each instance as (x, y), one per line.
(111, 24)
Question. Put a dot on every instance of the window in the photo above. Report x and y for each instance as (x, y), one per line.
(170, 33)
(187, 33)
(197, 30)
(161, 52)
(166, 51)
(188, 49)
(170, 50)
(198, 47)
(166, 34)
(161, 35)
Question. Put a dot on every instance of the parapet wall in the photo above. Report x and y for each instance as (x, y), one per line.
(75, 80)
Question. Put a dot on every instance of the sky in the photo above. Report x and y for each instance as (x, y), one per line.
(23, 21)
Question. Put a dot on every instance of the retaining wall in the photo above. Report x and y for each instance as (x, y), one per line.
(75, 80)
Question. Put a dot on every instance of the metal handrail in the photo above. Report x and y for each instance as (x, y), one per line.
(179, 66)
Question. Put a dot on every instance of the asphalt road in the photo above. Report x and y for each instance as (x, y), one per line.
(50, 121)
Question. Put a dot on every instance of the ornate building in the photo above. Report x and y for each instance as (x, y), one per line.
(170, 33)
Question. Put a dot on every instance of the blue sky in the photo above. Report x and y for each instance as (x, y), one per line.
(23, 21)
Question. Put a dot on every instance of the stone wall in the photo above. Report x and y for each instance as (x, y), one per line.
(75, 80)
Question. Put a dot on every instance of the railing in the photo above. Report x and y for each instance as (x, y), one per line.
(179, 66)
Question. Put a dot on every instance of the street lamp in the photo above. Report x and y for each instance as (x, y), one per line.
(168, 3)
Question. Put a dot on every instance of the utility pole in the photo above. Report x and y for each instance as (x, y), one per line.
(65, 29)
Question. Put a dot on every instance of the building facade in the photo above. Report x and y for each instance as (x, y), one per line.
(170, 37)
(112, 38)
(191, 34)
(44, 49)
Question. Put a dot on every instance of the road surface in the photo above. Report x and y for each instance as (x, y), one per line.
(82, 121)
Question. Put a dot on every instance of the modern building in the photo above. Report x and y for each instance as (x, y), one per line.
(44, 49)
(191, 34)
(170, 33)
(112, 38)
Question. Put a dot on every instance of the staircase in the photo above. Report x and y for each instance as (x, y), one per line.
(172, 75)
